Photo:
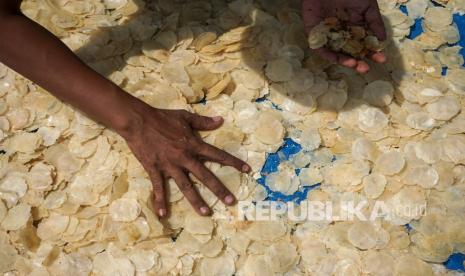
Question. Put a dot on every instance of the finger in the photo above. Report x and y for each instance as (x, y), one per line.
(375, 21)
(346, 61)
(187, 188)
(211, 181)
(214, 154)
(379, 57)
(362, 67)
(312, 13)
(159, 196)
(199, 122)
(336, 58)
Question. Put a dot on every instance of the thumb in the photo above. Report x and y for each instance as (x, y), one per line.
(199, 122)
(312, 13)
(375, 21)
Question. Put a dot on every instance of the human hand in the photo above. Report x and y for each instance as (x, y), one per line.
(165, 143)
(361, 12)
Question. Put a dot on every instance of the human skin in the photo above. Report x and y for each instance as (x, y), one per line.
(362, 12)
(164, 141)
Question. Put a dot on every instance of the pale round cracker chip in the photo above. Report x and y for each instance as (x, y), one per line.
(362, 235)
(378, 262)
(106, 264)
(379, 93)
(269, 129)
(284, 181)
(374, 185)
(364, 149)
(429, 152)
(256, 265)
(218, 266)
(124, 209)
(420, 121)
(302, 81)
(196, 224)
(17, 217)
(424, 176)
(281, 256)
(266, 230)
(279, 70)
(436, 18)
(143, 260)
(444, 109)
(51, 227)
(412, 266)
(390, 163)
(372, 120)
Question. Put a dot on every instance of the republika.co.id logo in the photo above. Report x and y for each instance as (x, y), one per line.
(326, 211)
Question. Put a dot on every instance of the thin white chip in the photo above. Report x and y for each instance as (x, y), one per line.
(124, 209)
(390, 163)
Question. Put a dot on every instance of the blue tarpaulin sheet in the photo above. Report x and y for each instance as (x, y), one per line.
(290, 147)
(273, 160)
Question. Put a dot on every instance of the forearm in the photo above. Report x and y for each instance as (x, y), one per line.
(35, 53)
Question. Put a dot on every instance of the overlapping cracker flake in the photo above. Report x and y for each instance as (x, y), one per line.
(74, 200)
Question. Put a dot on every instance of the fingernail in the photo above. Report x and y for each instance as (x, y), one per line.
(162, 212)
(204, 210)
(217, 119)
(246, 168)
(229, 199)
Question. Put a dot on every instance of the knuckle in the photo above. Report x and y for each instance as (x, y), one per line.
(167, 169)
(203, 148)
(157, 189)
(191, 165)
(161, 162)
(193, 142)
(208, 178)
(196, 142)
(213, 183)
(222, 155)
(184, 157)
(220, 189)
(186, 186)
(154, 176)
(159, 198)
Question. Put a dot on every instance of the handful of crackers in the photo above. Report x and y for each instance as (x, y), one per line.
(336, 34)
